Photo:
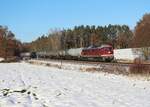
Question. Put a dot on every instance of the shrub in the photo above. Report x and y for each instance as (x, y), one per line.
(138, 67)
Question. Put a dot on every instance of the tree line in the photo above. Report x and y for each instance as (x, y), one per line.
(119, 36)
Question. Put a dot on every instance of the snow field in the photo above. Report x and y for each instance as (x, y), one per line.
(26, 85)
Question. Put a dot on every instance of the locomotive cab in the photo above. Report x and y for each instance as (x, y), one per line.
(107, 53)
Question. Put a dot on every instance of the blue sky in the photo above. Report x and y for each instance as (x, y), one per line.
(29, 19)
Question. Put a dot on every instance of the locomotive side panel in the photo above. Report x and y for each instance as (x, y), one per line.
(103, 53)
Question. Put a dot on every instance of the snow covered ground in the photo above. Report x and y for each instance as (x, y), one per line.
(26, 85)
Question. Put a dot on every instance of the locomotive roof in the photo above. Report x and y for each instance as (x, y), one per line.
(93, 47)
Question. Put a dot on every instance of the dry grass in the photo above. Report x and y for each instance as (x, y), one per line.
(45, 64)
(139, 68)
(92, 69)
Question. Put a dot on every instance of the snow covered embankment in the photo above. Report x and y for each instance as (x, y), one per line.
(83, 66)
(26, 85)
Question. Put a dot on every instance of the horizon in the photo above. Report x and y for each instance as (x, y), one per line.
(30, 19)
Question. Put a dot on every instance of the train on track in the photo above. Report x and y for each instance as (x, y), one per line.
(102, 53)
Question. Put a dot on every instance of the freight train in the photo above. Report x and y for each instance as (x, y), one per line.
(102, 53)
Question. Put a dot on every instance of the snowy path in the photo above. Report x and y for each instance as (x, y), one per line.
(25, 85)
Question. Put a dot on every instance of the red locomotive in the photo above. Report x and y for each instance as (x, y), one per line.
(103, 53)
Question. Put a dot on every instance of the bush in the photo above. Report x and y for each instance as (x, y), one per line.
(138, 67)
